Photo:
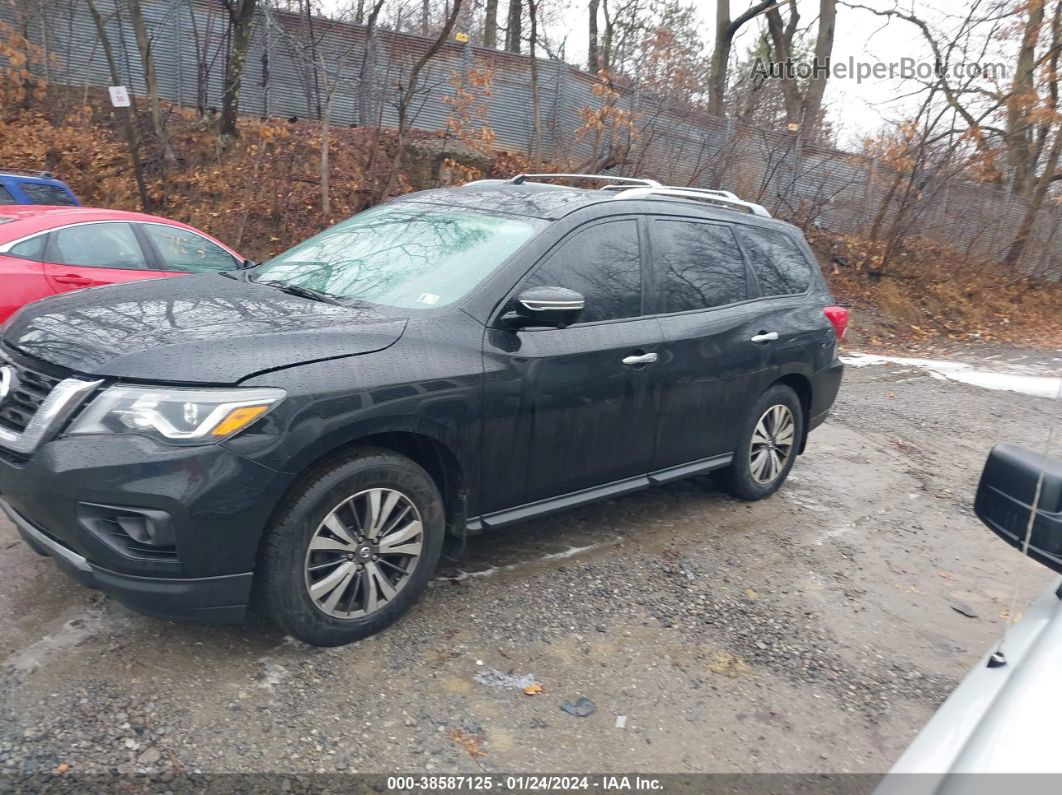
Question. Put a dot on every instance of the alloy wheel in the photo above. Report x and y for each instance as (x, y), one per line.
(363, 553)
(772, 443)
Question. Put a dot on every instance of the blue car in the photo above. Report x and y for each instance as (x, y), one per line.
(41, 188)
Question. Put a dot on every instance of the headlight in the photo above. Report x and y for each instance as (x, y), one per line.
(176, 416)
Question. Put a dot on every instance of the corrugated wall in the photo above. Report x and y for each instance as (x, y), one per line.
(838, 190)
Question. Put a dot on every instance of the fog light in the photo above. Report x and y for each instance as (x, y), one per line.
(134, 532)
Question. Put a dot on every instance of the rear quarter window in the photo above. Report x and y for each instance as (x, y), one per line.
(779, 264)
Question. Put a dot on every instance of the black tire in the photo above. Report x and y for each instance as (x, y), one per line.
(282, 583)
(738, 479)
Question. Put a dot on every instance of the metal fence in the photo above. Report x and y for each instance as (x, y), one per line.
(294, 62)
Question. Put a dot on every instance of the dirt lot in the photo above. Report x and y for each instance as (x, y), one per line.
(814, 632)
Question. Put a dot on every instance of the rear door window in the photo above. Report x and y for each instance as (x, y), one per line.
(45, 194)
(778, 262)
(700, 265)
(603, 262)
(6, 197)
(184, 250)
(104, 245)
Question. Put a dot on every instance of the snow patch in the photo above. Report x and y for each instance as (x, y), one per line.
(73, 633)
(1021, 379)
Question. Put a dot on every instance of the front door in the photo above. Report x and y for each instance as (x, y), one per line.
(574, 408)
(95, 254)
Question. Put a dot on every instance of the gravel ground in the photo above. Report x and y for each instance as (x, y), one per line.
(813, 632)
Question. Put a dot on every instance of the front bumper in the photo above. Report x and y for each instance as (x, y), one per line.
(213, 599)
(216, 502)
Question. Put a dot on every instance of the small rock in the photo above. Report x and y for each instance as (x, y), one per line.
(581, 708)
(150, 756)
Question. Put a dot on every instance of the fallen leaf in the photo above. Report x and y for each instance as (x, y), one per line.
(533, 690)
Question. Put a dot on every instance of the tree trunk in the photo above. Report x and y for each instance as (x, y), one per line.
(367, 69)
(782, 46)
(823, 53)
(512, 30)
(725, 30)
(241, 19)
(151, 81)
(126, 113)
(536, 107)
(326, 204)
(1035, 202)
(1023, 87)
(490, 24)
(425, 17)
(592, 63)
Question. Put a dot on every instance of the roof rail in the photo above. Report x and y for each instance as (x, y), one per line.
(18, 172)
(520, 179)
(722, 198)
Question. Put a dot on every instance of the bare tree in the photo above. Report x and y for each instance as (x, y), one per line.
(409, 92)
(367, 67)
(204, 60)
(241, 20)
(126, 113)
(490, 24)
(151, 81)
(513, 27)
(592, 62)
(536, 107)
(802, 106)
(725, 30)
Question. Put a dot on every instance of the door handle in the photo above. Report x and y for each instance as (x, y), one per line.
(73, 279)
(765, 336)
(637, 359)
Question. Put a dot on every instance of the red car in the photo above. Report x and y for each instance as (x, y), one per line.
(49, 250)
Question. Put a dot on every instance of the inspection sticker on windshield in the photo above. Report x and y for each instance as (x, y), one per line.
(428, 298)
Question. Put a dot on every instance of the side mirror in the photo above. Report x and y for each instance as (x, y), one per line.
(1006, 496)
(555, 307)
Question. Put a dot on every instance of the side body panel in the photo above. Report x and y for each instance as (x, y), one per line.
(23, 281)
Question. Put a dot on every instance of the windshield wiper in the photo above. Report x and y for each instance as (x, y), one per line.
(302, 292)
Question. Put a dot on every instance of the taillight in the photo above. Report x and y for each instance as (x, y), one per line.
(837, 315)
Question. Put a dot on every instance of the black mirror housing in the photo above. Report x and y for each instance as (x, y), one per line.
(554, 307)
(1006, 494)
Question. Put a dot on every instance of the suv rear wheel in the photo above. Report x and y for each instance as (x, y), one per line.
(767, 446)
(352, 549)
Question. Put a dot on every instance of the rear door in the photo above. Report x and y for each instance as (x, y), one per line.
(574, 408)
(22, 275)
(95, 254)
(709, 316)
(784, 276)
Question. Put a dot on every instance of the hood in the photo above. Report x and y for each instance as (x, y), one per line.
(205, 329)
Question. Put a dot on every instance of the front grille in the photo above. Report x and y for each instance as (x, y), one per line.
(29, 390)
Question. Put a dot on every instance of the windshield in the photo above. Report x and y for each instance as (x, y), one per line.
(403, 255)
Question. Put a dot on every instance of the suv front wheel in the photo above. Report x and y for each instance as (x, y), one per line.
(352, 548)
(767, 446)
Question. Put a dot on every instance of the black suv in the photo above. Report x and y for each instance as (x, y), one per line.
(300, 435)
